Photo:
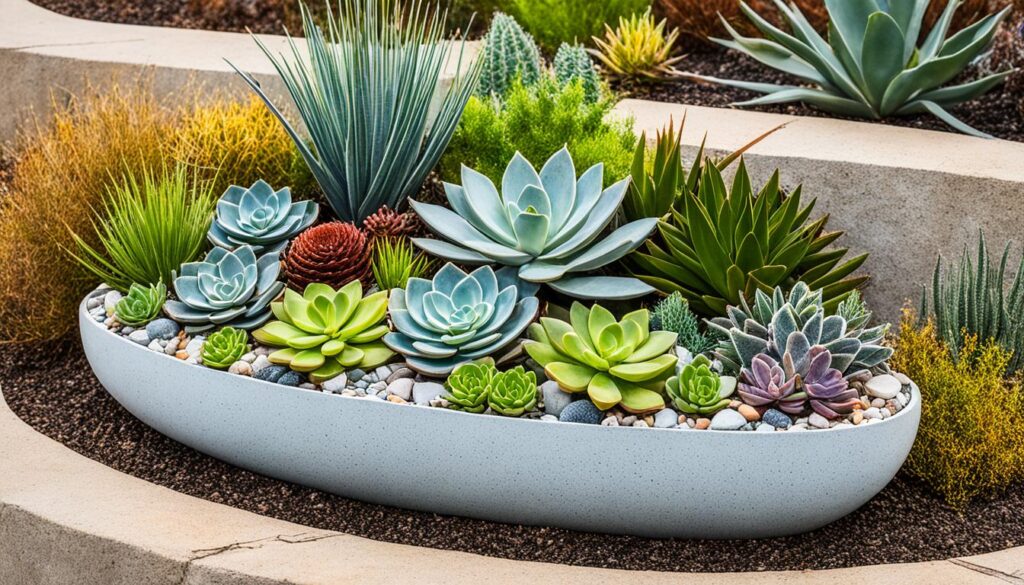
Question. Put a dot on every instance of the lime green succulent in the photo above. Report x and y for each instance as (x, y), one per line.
(141, 305)
(699, 390)
(325, 331)
(225, 347)
(513, 392)
(470, 384)
(615, 362)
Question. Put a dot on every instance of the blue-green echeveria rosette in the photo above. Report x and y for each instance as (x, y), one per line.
(261, 217)
(227, 288)
(546, 224)
(459, 317)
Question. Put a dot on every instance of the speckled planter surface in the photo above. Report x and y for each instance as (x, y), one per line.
(648, 482)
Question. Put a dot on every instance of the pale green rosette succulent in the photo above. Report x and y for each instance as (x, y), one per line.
(615, 362)
(458, 317)
(227, 288)
(325, 331)
(469, 385)
(225, 347)
(141, 305)
(513, 392)
(699, 390)
(260, 217)
(546, 224)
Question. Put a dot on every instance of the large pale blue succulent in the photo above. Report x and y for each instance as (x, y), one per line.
(227, 288)
(459, 317)
(261, 217)
(547, 224)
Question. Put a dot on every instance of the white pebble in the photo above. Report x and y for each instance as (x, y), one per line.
(425, 392)
(884, 386)
(241, 368)
(259, 363)
(335, 384)
(110, 301)
(139, 336)
(155, 345)
(549, 418)
(402, 388)
(873, 414)
(611, 421)
(194, 349)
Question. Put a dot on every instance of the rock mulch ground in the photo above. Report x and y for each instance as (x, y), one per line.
(52, 388)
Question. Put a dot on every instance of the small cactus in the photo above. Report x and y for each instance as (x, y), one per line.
(225, 347)
(509, 52)
(673, 314)
(573, 63)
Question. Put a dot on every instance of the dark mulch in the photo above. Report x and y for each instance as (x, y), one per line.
(52, 388)
(998, 112)
(261, 16)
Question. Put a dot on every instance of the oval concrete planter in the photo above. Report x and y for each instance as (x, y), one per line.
(647, 482)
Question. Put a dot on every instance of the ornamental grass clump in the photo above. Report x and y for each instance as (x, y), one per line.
(871, 65)
(970, 443)
(548, 225)
(364, 87)
(224, 347)
(324, 331)
(141, 305)
(638, 48)
(395, 261)
(149, 226)
(616, 362)
(979, 298)
(698, 390)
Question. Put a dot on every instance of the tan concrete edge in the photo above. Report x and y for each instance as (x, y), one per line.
(65, 519)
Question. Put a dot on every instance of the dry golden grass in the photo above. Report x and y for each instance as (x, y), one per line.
(64, 165)
(971, 440)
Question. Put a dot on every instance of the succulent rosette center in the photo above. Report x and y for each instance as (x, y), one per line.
(261, 217)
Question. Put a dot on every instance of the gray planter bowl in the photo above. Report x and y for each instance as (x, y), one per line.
(647, 482)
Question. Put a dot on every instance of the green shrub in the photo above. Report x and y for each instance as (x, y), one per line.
(554, 22)
(538, 121)
(971, 440)
(148, 228)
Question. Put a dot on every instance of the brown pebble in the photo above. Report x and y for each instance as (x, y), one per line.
(682, 419)
(735, 404)
(181, 355)
(858, 417)
(703, 423)
(749, 412)
(649, 420)
(397, 399)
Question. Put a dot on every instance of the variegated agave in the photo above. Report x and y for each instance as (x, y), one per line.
(227, 288)
(459, 317)
(543, 223)
(777, 325)
(261, 217)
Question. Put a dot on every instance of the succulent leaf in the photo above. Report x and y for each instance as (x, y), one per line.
(699, 390)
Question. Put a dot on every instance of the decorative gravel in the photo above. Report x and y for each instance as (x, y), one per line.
(52, 388)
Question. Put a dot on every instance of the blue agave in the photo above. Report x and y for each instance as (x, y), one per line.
(227, 288)
(261, 217)
(459, 317)
(545, 224)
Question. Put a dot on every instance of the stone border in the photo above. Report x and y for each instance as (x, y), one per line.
(65, 519)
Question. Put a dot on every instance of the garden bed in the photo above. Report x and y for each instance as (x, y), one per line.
(51, 387)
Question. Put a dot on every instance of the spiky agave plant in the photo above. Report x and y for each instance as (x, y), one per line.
(364, 90)
(871, 65)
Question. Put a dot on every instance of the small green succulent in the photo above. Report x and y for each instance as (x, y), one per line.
(699, 390)
(614, 362)
(141, 305)
(324, 331)
(673, 314)
(225, 347)
(470, 384)
(513, 392)
(573, 64)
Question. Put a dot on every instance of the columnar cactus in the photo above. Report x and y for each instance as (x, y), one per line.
(227, 288)
(261, 217)
(573, 64)
(509, 52)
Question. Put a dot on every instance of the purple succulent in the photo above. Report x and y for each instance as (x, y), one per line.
(765, 383)
(830, 393)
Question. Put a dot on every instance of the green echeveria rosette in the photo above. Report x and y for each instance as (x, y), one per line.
(614, 362)
(260, 217)
(457, 317)
(227, 288)
(513, 392)
(547, 225)
(225, 347)
(699, 390)
(141, 305)
(324, 331)
(469, 385)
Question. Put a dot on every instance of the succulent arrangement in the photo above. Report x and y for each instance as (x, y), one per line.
(871, 65)
(325, 331)
(616, 362)
(543, 223)
(141, 305)
(699, 390)
(225, 347)
(333, 253)
(261, 217)
(458, 317)
(227, 288)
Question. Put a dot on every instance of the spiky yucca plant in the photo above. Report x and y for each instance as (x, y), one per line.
(364, 89)
(638, 47)
(976, 298)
